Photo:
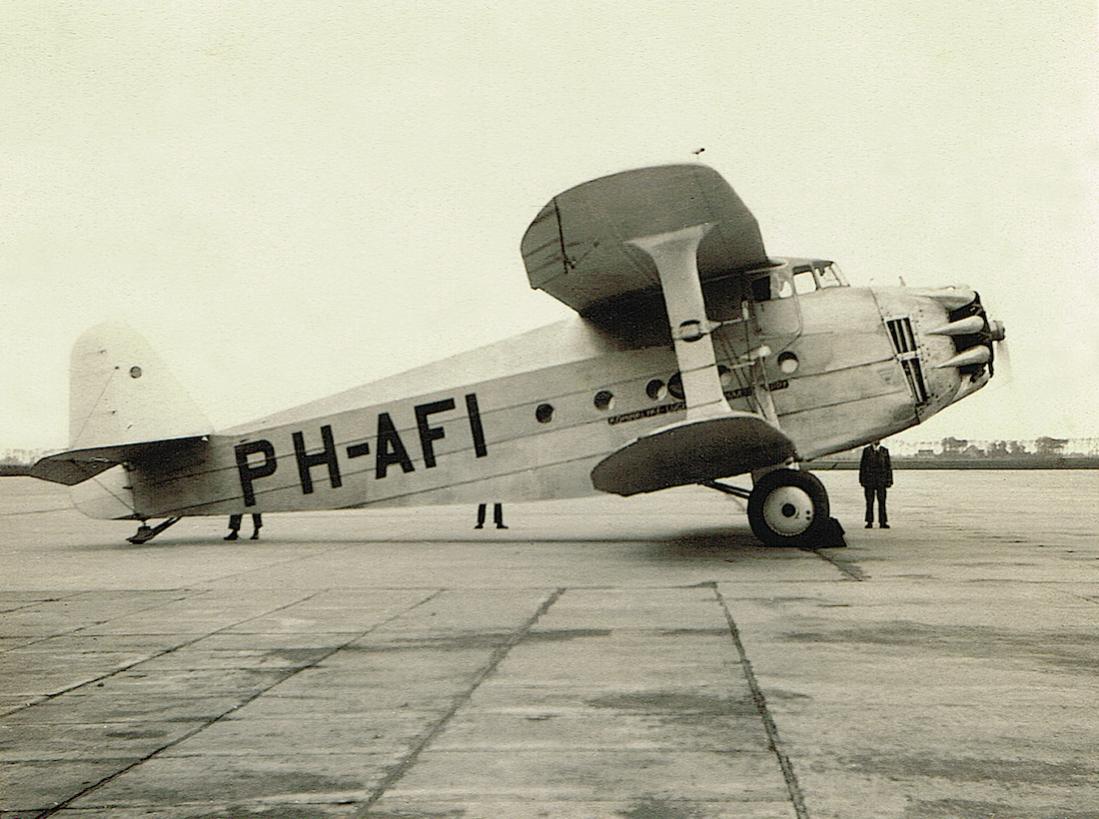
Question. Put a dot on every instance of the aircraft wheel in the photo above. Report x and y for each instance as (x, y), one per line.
(788, 508)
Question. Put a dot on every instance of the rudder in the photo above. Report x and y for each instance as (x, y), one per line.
(121, 392)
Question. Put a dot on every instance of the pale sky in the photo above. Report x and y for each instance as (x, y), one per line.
(293, 199)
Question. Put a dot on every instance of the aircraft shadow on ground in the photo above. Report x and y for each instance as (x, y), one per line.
(689, 543)
(707, 543)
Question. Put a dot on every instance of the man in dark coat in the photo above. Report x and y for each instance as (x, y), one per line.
(875, 475)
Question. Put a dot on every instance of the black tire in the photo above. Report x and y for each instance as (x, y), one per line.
(797, 516)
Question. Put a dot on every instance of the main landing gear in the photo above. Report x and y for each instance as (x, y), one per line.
(145, 532)
(787, 507)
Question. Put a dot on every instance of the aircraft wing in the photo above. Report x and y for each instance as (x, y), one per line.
(663, 230)
(577, 250)
(714, 441)
(693, 451)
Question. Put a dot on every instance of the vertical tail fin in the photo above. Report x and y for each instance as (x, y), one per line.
(121, 392)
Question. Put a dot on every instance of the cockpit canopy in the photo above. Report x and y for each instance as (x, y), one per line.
(799, 276)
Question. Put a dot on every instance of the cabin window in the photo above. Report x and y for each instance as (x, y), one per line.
(544, 413)
(656, 390)
(604, 400)
(675, 386)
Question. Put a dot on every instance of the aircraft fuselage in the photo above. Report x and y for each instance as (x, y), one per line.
(529, 417)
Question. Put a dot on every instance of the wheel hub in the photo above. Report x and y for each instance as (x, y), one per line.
(788, 510)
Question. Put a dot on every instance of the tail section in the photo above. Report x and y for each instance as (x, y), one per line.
(125, 406)
(121, 392)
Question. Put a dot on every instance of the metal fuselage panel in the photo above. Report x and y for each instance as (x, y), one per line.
(477, 438)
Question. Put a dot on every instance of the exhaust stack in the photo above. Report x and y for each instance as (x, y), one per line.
(974, 355)
(962, 327)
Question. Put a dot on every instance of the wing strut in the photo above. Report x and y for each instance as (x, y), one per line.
(714, 441)
(675, 254)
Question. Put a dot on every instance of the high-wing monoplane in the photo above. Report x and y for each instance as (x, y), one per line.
(694, 357)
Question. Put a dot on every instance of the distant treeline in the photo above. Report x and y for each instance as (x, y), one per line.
(968, 462)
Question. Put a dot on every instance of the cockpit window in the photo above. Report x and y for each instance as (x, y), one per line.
(802, 279)
(804, 282)
(761, 289)
(830, 276)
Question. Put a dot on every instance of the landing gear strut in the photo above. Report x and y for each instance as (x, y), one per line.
(145, 533)
(790, 508)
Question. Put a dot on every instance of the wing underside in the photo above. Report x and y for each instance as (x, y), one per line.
(692, 452)
(577, 248)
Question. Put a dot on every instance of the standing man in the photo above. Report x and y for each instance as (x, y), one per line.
(875, 475)
(497, 515)
(234, 526)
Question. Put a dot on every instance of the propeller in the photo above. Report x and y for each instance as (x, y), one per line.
(1001, 351)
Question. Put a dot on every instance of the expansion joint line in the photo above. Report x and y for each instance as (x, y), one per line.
(76, 632)
(207, 723)
(769, 725)
(849, 571)
(494, 660)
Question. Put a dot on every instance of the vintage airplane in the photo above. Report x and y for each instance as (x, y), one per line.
(694, 357)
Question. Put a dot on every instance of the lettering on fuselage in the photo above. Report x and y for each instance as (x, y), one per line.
(679, 406)
(389, 448)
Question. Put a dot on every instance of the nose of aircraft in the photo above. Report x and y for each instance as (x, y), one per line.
(976, 337)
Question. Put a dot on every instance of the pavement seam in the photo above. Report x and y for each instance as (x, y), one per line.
(769, 725)
(254, 696)
(43, 638)
(101, 677)
(850, 572)
(32, 603)
(495, 658)
(47, 697)
(343, 546)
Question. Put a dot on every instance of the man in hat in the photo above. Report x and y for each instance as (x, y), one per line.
(876, 476)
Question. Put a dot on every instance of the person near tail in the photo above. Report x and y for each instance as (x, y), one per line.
(234, 526)
(497, 515)
(876, 476)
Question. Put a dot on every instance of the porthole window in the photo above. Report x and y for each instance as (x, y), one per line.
(604, 400)
(544, 413)
(656, 390)
(135, 372)
(788, 362)
(726, 376)
(675, 386)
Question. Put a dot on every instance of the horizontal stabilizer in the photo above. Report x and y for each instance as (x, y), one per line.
(77, 465)
(692, 452)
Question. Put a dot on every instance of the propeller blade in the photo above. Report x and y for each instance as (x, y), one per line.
(1003, 360)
